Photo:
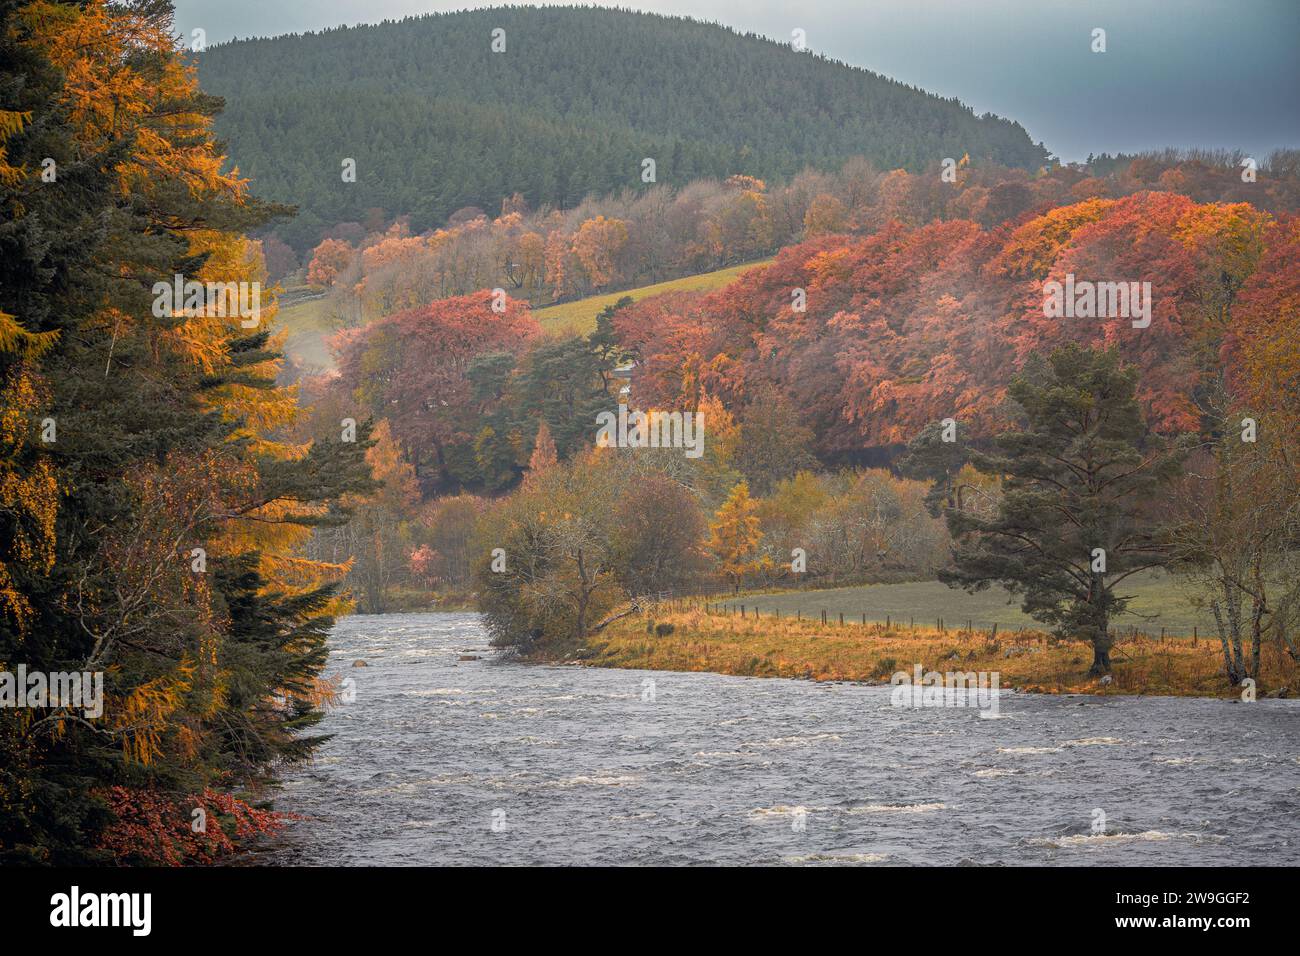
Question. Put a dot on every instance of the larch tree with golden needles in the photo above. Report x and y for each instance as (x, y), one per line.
(735, 536)
(152, 505)
(543, 455)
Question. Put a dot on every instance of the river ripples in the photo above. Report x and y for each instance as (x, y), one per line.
(447, 761)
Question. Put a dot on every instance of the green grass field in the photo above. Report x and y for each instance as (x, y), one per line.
(309, 323)
(1157, 602)
(579, 317)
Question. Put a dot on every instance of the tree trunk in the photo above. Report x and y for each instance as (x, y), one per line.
(580, 625)
(1231, 642)
(1258, 609)
(1256, 637)
(1100, 657)
(1102, 640)
(635, 608)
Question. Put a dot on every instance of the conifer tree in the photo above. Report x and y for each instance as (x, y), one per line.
(543, 455)
(1081, 490)
(734, 536)
(154, 507)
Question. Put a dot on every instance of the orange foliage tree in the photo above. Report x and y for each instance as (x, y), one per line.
(328, 259)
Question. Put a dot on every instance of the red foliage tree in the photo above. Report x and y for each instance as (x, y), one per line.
(411, 368)
(910, 325)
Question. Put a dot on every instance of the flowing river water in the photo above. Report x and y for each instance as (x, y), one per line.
(440, 760)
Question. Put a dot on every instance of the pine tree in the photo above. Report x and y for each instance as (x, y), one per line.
(1082, 479)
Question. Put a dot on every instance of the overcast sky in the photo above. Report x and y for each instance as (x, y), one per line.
(1212, 73)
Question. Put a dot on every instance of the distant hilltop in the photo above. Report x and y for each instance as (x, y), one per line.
(445, 111)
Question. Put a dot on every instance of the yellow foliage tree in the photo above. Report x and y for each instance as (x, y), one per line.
(544, 455)
(825, 214)
(735, 536)
(1034, 246)
(596, 245)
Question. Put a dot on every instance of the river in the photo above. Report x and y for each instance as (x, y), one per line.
(440, 760)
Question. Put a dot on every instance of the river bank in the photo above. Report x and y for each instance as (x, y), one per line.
(1033, 661)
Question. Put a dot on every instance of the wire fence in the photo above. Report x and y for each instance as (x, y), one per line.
(705, 599)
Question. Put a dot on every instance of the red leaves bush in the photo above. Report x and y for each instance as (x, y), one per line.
(156, 829)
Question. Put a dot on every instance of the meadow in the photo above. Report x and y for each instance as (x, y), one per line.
(309, 322)
(1159, 605)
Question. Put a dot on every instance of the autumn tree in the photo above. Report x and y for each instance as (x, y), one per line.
(597, 245)
(825, 214)
(329, 259)
(1236, 524)
(788, 514)
(871, 522)
(734, 537)
(774, 442)
(547, 567)
(153, 513)
(447, 524)
(414, 369)
(741, 227)
(280, 258)
(543, 455)
(659, 547)
(1263, 340)
(378, 535)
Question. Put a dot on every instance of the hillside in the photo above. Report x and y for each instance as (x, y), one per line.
(436, 121)
(579, 316)
(911, 325)
(308, 320)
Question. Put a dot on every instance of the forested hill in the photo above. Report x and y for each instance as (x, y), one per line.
(437, 121)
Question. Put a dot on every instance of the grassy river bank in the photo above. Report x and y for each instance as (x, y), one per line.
(687, 637)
